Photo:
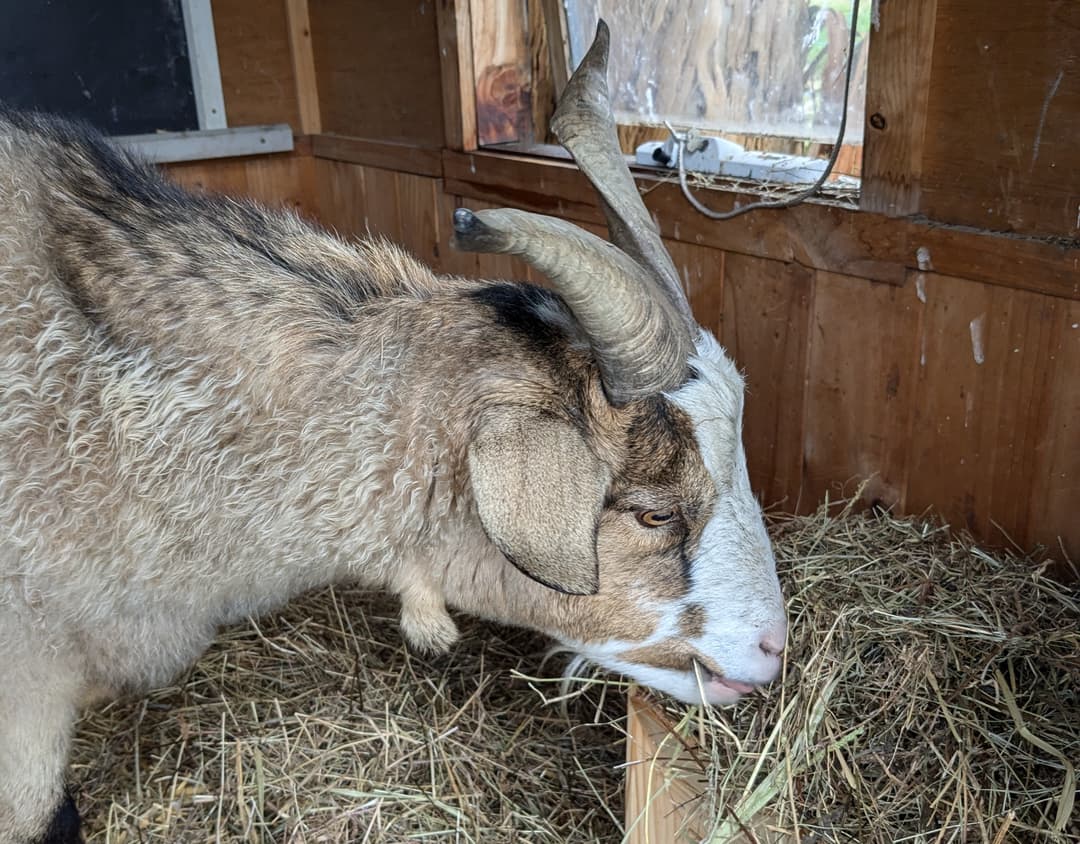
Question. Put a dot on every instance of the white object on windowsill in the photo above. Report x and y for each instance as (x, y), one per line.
(720, 157)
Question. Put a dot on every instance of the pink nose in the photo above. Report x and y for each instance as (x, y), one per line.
(773, 640)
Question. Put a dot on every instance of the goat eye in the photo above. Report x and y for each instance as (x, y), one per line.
(656, 518)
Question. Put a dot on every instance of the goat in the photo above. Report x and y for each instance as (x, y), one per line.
(207, 408)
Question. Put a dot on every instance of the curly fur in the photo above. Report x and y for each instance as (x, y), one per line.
(207, 408)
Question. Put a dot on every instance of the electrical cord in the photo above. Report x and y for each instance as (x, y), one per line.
(682, 140)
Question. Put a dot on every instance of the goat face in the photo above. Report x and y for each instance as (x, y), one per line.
(642, 520)
(635, 500)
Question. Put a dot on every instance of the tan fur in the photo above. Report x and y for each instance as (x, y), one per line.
(206, 409)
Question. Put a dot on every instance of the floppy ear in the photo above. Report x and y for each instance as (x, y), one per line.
(539, 491)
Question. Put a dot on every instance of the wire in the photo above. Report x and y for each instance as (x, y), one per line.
(681, 140)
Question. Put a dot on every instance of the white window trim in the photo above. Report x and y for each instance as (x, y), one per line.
(165, 147)
(205, 71)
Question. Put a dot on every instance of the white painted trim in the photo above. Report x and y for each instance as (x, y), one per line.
(205, 71)
(163, 147)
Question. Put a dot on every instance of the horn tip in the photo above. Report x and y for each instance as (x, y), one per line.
(464, 220)
(603, 33)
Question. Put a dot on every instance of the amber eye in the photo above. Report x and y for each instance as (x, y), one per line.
(656, 518)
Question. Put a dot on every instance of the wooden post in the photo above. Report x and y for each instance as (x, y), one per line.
(897, 93)
(662, 789)
(303, 59)
(458, 79)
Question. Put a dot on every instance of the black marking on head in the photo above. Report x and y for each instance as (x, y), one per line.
(686, 565)
(524, 309)
(65, 824)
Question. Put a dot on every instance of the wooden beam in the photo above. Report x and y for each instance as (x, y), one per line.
(897, 92)
(387, 155)
(818, 235)
(458, 85)
(303, 59)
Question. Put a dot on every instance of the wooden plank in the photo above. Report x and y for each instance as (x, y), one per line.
(863, 362)
(221, 175)
(256, 64)
(663, 786)
(984, 378)
(541, 80)
(558, 41)
(702, 274)
(270, 179)
(501, 63)
(303, 61)
(666, 785)
(280, 181)
(340, 196)
(897, 87)
(382, 212)
(1052, 511)
(421, 230)
(816, 235)
(1003, 115)
(458, 85)
(378, 69)
(765, 328)
(405, 158)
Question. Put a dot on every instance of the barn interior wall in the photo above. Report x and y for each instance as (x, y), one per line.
(951, 385)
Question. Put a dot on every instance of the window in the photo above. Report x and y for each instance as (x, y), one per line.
(766, 74)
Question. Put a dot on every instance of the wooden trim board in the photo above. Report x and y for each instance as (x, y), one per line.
(387, 155)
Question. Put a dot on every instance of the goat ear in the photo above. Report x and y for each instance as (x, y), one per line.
(539, 491)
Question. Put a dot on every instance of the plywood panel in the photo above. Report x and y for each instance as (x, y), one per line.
(1003, 117)
(377, 65)
(256, 64)
(860, 389)
(765, 328)
(983, 386)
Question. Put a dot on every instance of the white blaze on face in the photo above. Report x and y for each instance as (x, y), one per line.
(733, 575)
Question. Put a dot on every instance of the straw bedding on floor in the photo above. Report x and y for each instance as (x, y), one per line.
(931, 693)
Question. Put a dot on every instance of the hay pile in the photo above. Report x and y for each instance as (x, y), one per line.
(932, 693)
(317, 724)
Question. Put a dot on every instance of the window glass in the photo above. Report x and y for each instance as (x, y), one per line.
(752, 67)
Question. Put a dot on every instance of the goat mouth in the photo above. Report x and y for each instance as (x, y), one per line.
(714, 680)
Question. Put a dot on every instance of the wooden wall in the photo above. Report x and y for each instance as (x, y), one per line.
(942, 362)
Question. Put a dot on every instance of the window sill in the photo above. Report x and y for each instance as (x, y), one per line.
(173, 147)
(821, 234)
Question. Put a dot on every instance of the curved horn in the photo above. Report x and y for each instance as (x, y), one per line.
(612, 297)
(584, 124)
